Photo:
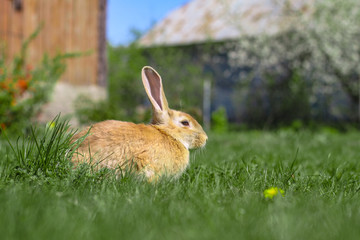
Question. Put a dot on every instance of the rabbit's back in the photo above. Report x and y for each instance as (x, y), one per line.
(146, 147)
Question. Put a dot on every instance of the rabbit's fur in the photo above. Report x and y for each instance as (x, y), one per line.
(157, 149)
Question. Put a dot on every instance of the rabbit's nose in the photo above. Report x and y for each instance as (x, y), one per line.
(205, 138)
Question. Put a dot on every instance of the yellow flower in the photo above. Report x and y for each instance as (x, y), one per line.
(273, 191)
(50, 125)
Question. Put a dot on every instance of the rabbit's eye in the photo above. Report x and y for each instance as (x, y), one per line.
(185, 123)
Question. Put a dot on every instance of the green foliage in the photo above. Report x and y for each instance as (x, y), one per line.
(124, 78)
(127, 99)
(125, 90)
(25, 88)
(283, 100)
(219, 121)
(44, 153)
(90, 111)
(182, 75)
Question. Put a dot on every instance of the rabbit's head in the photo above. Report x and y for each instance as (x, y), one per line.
(176, 124)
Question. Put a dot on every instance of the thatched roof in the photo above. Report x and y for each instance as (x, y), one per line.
(218, 20)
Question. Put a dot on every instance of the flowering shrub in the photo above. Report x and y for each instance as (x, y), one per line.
(24, 88)
(14, 86)
(319, 49)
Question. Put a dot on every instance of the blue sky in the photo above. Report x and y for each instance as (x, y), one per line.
(124, 15)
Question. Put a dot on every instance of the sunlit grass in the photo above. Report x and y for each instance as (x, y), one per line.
(220, 196)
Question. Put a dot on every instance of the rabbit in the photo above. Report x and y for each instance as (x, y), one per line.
(158, 149)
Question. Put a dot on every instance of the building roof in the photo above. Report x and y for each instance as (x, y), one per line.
(218, 20)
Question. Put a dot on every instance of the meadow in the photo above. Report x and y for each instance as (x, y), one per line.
(220, 196)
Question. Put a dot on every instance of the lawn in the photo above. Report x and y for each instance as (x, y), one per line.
(220, 196)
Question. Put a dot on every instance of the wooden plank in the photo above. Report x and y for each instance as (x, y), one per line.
(79, 42)
(69, 26)
(5, 27)
(58, 37)
(87, 68)
(39, 40)
(31, 21)
(75, 42)
(68, 16)
(92, 16)
(101, 44)
(82, 40)
(2, 21)
(48, 16)
(70, 44)
(16, 31)
(46, 32)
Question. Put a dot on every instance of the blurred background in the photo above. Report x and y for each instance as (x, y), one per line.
(232, 64)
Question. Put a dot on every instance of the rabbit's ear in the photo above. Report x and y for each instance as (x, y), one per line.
(154, 89)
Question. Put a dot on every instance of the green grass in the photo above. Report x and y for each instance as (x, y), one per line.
(220, 196)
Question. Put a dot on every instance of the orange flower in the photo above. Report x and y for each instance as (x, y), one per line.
(2, 126)
(22, 84)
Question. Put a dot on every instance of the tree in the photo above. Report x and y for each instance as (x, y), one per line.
(319, 42)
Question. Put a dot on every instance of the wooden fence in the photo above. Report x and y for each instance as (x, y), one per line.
(68, 26)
